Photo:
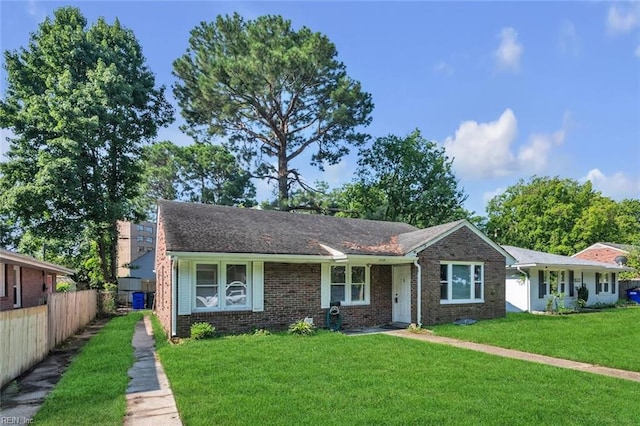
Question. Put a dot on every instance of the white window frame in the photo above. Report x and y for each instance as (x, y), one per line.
(222, 283)
(450, 300)
(326, 283)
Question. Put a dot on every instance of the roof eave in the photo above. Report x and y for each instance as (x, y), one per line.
(296, 258)
(22, 260)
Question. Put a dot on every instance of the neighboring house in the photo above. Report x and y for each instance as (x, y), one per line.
(613, 253)
(243, 268)
(142, 278)
(530, 280)
(26, 281)
(134, 240)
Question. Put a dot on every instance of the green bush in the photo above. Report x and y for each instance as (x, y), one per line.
(63, 287)
(202, 330)
(583, 293)
(415, 328)
(107, 299)
(302, 328)
(261, 332)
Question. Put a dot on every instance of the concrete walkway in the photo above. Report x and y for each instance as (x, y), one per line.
(149, 398)
(526, 356)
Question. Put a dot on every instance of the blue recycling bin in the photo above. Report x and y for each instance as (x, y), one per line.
(634, 294)
(138, 300)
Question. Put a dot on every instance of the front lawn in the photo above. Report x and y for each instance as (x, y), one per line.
(609, 337)
(330, 378)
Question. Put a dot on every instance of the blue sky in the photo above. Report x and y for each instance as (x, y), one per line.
(510, 89)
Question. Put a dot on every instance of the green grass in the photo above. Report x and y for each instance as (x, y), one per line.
(331, 379)
(608, 337)
(92, 390)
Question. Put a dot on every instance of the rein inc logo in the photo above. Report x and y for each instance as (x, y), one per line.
(15, 420)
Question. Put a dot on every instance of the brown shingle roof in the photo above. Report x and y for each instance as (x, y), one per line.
(191, 227)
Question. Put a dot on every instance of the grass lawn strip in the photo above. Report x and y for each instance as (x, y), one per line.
(330, 378)
(92, 390)
(609, 338)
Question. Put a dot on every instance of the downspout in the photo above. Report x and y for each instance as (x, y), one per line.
(174, 294)
(419, 292)
(528, 287)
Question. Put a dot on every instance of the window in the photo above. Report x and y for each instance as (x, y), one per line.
(461, 282)
(148, 229)
(139, 228)
(139, 238)
(221, 286)
(149, 240)
(602, 282)
(349, 284)
(562, 282)
(542, 285)
(572, 288)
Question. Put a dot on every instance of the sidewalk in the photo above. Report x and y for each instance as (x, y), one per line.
(526, 356)
(149, 397)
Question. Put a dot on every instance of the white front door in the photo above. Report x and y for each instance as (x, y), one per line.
(17, 288)
(401, 294)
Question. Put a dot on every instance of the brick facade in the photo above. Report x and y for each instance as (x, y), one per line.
(164, 290)
(33, 293)
(292, 291)
(604, 255)
(462, 245)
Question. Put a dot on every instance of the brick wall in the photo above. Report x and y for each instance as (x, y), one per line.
(163, 279)
(462, 245)
(31, 280)
(605, 255)
(292, 293)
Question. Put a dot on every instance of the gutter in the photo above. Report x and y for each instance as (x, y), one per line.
(528, 287)
(174, 295)
(419, 292)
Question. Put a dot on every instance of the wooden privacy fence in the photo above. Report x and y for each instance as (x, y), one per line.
(69, 312)
(27, 335)
(23, 341)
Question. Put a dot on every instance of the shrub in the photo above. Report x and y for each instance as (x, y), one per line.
(201, 330)
(301, 328)
(261, 332)
(107, 299)
(415, 328)
(583, 293)
(63, 287)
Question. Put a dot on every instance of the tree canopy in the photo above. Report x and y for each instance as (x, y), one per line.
(201, 172)
(560, 216)
(81, 102)
(274, 92)
(407, 179)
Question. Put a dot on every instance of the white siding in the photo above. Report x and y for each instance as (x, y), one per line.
(184, 287)
(516, 295)
(258, 286)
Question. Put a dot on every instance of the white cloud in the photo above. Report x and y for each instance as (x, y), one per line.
(443, 68)
(535, 155)
(568, 42)
(484, 149)
(509, 52)
(623, 19)
(616, 186)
